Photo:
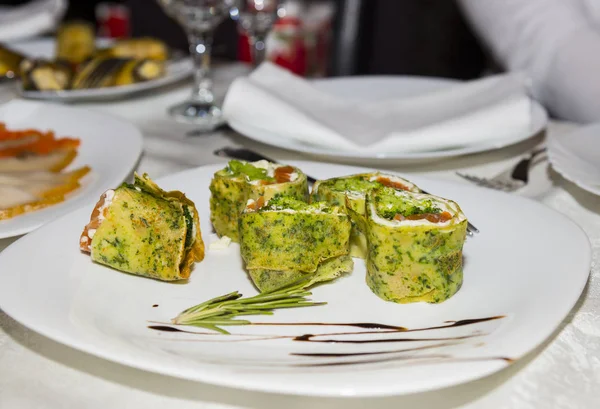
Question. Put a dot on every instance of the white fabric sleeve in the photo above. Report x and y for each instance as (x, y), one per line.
(556, 42)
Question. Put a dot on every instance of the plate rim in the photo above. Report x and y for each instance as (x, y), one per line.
(81, 344)
(255, 133)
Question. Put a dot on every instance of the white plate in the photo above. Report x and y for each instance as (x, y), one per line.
(529, 263)
(44, 48)
(576, 156)
(111, 147)
(378, 88)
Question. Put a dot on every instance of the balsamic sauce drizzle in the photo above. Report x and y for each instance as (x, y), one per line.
(387, 329)
(379, 356)
(366, 325)
(308, 338)
(373, 325)
(460, 323)
(167, 328)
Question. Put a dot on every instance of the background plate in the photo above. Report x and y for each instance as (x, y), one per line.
(576, 156)
(528, 264)
(377, 88)
(110, 146)
(177, 70)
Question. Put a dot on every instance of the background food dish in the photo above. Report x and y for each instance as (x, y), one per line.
(549, 257)
(31, 162)
(78, 62)
(176, 70)
(109, 146)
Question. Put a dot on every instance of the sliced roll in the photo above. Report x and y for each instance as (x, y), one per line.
(75, 42)
(286, 240)
(239, 181)
(40, 75)
(98, 73)
(134, 71)
(143, 230)
(415, 246)
(137, 48)
(109, 72)
(9, 62)
(350, 191)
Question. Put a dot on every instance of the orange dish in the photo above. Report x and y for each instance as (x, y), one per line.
(31, 164)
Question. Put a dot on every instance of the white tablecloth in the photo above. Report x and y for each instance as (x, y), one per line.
(564, 372)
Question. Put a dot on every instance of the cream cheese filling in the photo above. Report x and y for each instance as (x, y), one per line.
(443, 204)
(270, 168)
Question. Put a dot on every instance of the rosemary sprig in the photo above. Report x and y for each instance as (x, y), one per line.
(222, 311)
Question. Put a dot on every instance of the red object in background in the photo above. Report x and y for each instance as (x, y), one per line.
(286, 44)
(296, 62)
(300, 38)
(113, 20)
(243, 52)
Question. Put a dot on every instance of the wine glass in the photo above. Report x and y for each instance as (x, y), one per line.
(256, 17)
(199, 19)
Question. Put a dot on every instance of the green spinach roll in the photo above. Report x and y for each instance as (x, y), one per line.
(415, 246)
(350, 191)
(141, 229)
(285, 240)
(238, 182)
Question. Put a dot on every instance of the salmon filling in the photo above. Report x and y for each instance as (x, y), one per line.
(431, 217)
(392, 183)
(98, 216)
(284, 174)
(256, 204)
(31, 141)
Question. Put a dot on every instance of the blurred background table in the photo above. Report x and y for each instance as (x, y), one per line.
(564, 372)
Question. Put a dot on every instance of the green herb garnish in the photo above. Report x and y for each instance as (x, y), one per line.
(189, 223)
(222, 311)
(390, 202)
(279, 202)
(235, 167)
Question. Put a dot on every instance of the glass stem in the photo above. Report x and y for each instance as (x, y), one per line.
(200, 50)
(258, 47)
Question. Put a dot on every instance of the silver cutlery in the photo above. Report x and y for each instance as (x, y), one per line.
(251, 156)
(509, 180)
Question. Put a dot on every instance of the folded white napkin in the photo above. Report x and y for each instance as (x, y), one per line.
(481, 111)
(30, 19)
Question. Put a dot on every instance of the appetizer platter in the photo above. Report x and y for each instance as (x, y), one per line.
(362, 286)
(53, 159)
(77, 66)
